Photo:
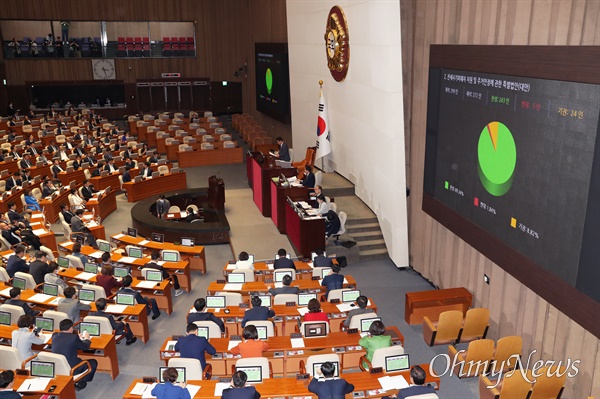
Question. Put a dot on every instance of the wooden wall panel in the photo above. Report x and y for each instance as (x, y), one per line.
(515, 309)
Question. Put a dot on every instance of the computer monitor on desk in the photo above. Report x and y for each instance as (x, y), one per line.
(170, 256)
(132, 232)
(236, 278)
(5, 318)
(19, 282)
(135, 252)
(62, 262)
(158, 237)
(87, 295)
(312, 330)
(92, 328)
(216, 302)
(104, 246)
(203, 331)
(265, 300)
(154, 275)
(397, 363)
(279, 275)
(50, 289)
(125, 299)
(317, 369)
(365, 324)
(90, 268)
(349, 296)
(120, 271)
(254, 373)
(187, 241)
(44, 323)
(304, 299)
(180, 370)
(42, 369)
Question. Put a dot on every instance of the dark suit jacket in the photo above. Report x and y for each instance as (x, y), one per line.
(258, 313)
(205, 316)
(56, 170)
(14, 215)
(330, 389)
(162, 206)
(87, 192)
(68, 215)
(116, 325)
(25, 165)
(38, 270)
(333, 282)
(248, 392)
(194, 347)
(138, 297)
(309, 180)
(17, 302)
(46, 192)
(16, 264)
(108, 156)
(284, 152)
(12, 182)
(284, 290)
(68, 344)
(284, 263)
(96, 172)
(126, 177)
(322, 261)
(415, 390)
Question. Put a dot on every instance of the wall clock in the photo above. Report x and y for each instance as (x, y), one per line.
(337, 44)
(103, 69)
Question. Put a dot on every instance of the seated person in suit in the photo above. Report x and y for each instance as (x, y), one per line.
(118, 326)
(128, 162)
(110, 166)
(16, 263)
(332, 224)
(67, 344)
(14, 215)
(334, 280)
(19, 234)
(77, 253)
(153, 264)
(126, 176)
(309, 177)
(52, 276)
(286, 289)
(13, 181)
(314, 312)
(362, 302)
(66, 212)
(258, 312)
(151, 305)
(194, 347)
(201, 314)
(244, 261)
(45, 158)
(152, 159)
(26, 175)
(251, 346)
(77, 226)
(326, 386)
(48, 188)
(15, 299)
(71, 305)
(77, 162)
(24, 338)
(375, 340)
(56, 168)
(39, 267)
(322, 261)
(7, 383)
(98, 171)
(191, 215)
(87, 190)
(417, 385)
(25, 163)
(282, 262)
(239, 389)
(170, 389)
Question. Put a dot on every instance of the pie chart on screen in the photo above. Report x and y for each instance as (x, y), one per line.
(497, 158)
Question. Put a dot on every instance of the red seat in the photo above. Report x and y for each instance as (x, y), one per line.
(129, 40)
(137, 39)
(121, 40)
(166, 40)
(145, 40)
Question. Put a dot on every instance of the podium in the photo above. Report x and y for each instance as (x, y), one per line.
(261, 170)
(305, 234)
(279, 195)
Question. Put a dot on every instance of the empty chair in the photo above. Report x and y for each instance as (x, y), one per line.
(214, 331)
(477, 358)
(5, 244)
(282, 299)
(379, 357)
(334, 294)
(15, 312)
(200, 132)
(62, 367)
(263, 362)
(513, 386)
(66, 229)
(163, 170)
(548, 384)
(4, 277)
(207, 146)
(10, 358)
(307, 324)
(333, 206)
(224, 137)
(343, 217)
(319, 359)
(75, 262)
(174, 209)
(29, 280)
(193, 368)
(476, 325)
(231, 298)
(506, 353)
(228, 144)
(182, 147)
(318, 178)
(56, 316)
(445, 331)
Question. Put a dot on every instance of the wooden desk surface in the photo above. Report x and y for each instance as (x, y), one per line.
(259, 286)
(124, 239)
(431, 303)
(149, 187)
(64, 386)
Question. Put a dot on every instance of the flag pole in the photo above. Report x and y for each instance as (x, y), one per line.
(320, 95)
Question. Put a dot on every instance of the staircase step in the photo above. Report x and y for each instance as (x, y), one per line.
(362, 227)
(367, 235)
(340, 192)
(352, 221)
(373, 254)
(371, 244)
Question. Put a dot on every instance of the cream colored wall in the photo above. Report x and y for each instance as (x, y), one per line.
(365, 110)
(436, 252)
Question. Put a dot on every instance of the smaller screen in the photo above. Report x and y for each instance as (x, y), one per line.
(350, 295)
(217, 302)
(325, 272)
(44, 323)
(265, 300)
(251, 258)
(92, 328)
(42, 369)
(125, 299)
(262, 332)
(132, 232)
(153, 275)
(62, 262)
(254, 373)
(5, 318)
(203, 332)
(87, 295)
(315, 330)
(121, 271)
(135, 252)
(90, 268)
(169, 256)
(365, 324)
(236, 278)
(314, 255)
(187, 241)
(303, 299)
(157, 237)
(19, 282)
(279, 275)
(50, 289)
(397, 363)
(104, 246)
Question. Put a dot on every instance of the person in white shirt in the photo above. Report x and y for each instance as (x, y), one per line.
(323, 205)
(23, 338)
(75, 200)
(244, 261)
(62, 153)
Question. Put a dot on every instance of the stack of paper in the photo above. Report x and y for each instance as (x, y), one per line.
(127, 259)
(143, 242)
(219, 387)
(193, 390)
(39, 232)
(117, 236)
(233, 287)
(6, 292)
(85, 276)
(389, 383)
(171, 345)
(232, 344)
(297, 342)
(230, 266)
(303, 311)
(116, 308)
(146, 284)
(96, 255)
(40, 298)
(34, 385)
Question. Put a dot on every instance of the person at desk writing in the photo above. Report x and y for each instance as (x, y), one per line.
(309, 177)
(67, 344)
(326, 386)
(106, 279)
(52, 276)
(334, 280)
(170, 389)
(153, 264)
(87, 190)
(26, 175)
(258, 312)
(284, 152)
(191, 346)
(200, 314)
(7, 382)
(15, 299)
(239, 389)
(417, 385)
(24, 337)
(251, 346)
(243, 261)
(151, 305)
(375, 340)
(119, 327)
(286, 289)
(282, 262)
(71, 305)
(13, 181)
(362, 302)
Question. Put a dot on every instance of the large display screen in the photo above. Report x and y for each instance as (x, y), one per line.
(514, 156)
(273, 80)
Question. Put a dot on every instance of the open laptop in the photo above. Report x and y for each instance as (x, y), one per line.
(42, 369)
(254, 373)
(123, 298)
(397, 363)
(216, 302)
(180, 377)
(92, 328)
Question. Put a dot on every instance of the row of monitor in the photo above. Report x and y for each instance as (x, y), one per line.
(219, 301)
(278, 275)
(159, 237)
